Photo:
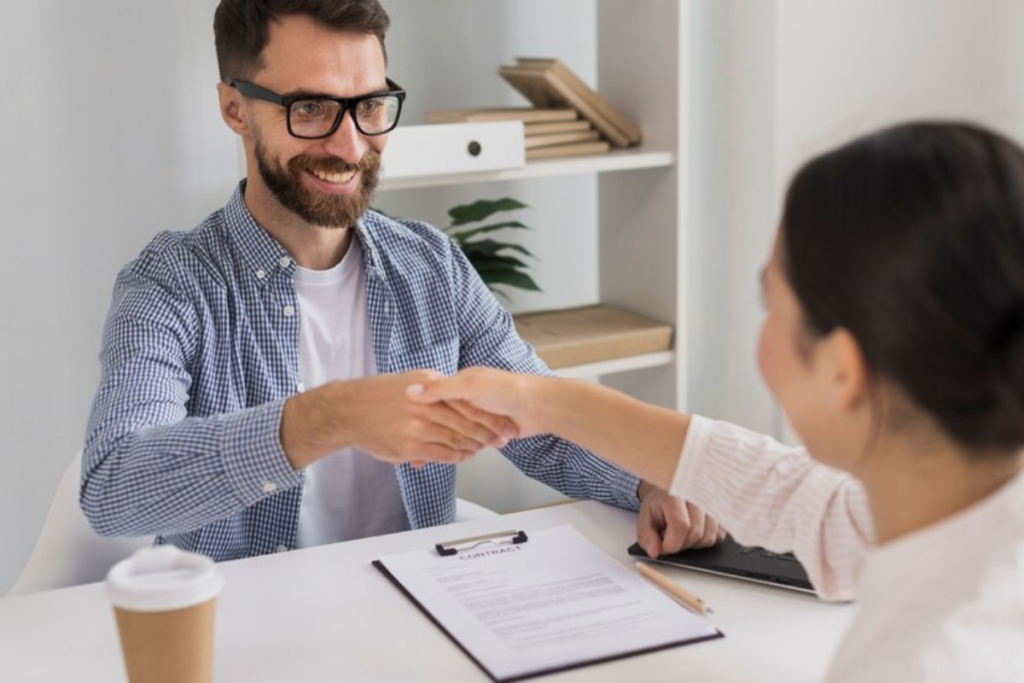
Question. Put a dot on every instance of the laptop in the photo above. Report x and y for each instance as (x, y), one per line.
(731, 559)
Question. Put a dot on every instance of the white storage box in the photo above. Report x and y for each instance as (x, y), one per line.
(447, 148)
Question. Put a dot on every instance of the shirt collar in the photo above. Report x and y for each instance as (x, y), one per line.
(262, 253)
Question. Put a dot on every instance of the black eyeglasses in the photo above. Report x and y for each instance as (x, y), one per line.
(311, 117)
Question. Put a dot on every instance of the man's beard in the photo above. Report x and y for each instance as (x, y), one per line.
(320, 208)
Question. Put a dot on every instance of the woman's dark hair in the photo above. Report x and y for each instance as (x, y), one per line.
(913, 240)
(240, 27)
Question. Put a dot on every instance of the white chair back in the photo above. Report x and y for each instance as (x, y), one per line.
(69, 552)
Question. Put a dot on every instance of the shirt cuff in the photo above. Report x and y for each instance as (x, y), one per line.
(627, 485)
(253, 456)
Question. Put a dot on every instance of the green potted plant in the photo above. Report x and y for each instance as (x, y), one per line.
(490, 257)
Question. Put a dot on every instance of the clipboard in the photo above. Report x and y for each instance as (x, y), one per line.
(447, 549)
(407, 573)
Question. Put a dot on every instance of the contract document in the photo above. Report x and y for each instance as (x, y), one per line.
(553, 602)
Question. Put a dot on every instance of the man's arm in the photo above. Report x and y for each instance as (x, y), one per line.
(148, 467)
(374, 416)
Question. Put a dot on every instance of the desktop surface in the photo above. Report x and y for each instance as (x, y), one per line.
(326, 614)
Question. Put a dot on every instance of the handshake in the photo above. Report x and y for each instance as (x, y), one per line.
(493, 406)
(423, 416)
(417, 417)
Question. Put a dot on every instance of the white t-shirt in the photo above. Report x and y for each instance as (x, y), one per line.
(349, 494)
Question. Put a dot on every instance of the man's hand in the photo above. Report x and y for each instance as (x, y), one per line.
(668, 524)
(375, 416)
(516, 396)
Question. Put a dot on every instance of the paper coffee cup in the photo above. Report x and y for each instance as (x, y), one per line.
(163, 600)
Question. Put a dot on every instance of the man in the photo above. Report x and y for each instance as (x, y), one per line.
(252, 397)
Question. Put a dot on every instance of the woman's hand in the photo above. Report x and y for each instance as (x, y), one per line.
(518, 397)
(667, 524)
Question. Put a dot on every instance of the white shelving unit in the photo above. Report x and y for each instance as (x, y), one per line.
(618, 160)
(611, 367)
(637, 197)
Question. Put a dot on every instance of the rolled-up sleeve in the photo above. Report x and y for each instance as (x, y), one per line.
(775, 496)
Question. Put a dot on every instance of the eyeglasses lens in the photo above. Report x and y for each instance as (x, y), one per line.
(314, 118)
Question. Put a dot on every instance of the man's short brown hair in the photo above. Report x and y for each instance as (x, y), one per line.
(240, 27)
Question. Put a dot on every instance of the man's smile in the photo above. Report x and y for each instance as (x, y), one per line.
(335, 182)
(336, 178)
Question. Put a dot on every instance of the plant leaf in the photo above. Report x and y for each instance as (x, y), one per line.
(510, 277)
(482, 209)
(497, 260)
(466, 234)
(490, 248)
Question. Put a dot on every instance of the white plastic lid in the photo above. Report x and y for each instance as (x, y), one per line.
(162, 578)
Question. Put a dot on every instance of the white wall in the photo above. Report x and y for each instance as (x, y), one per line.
(109, 133)
(733, 204)
(845, 68)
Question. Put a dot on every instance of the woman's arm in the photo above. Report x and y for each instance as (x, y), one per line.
(644, 438)
(765, 493)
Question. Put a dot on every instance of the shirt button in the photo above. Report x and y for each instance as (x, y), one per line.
(282, 548)
(300, 387)
(269, 487)
(261, 274)
(285, 261)
(289, 311)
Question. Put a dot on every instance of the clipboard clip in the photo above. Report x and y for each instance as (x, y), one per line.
(500, 538)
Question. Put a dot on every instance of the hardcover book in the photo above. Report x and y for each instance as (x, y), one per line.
(591, 334)
(531, 129)
(524, 114)
(533, 141)
(573, 81)
(573, 149)
(548, 83)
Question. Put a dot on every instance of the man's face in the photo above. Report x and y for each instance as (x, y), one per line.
(328, 182)
(331, 205)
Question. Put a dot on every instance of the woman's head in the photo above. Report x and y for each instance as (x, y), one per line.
(905, 248)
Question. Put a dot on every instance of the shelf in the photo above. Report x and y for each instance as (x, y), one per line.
(620, 160)
(596, 340)
(608, 367)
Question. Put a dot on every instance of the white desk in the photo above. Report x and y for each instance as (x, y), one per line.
(326, 614)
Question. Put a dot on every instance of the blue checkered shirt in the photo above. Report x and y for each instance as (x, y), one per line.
(200, 352)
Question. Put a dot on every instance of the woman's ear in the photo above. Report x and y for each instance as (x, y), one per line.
(845, 370)
(231, 109)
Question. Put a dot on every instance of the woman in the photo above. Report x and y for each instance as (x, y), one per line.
(894, 342)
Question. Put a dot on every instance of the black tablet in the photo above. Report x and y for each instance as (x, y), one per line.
(731, 559)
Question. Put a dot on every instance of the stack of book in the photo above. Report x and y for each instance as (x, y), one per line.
(567, 118)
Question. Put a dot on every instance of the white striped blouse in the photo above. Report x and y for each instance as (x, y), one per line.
(945, 603)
